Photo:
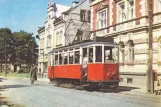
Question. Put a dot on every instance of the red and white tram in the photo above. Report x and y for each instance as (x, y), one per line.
(92, 62)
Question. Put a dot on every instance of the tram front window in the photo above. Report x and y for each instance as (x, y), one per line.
(110, 54)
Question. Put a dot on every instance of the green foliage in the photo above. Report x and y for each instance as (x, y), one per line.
(25, 47)
(21, 70)
(6, 40)
(20, 47)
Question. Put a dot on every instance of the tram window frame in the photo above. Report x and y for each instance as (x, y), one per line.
(56, 59)
(77, 52)
(60, 59)
(108, 55)
(71, 58)
(90, 52)
(84, 53)
(112, 55)
(65, 57)
(98, 56)
(53, 59)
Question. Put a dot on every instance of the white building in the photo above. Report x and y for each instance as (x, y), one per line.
(46, 34)
(63, 29)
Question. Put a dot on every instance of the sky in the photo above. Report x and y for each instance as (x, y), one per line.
(25, 15)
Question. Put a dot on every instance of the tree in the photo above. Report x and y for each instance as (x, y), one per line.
(26, 50)
(6, 40)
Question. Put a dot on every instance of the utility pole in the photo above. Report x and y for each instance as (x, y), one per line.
(32, 52)
(150, 41)
(5, 61)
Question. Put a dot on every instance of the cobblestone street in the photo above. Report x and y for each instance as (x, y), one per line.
(42, 94)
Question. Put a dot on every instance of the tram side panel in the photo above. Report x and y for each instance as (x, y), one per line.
(103, 72)
(111, 72)
(50, 72)
(95, 72)
(68, 72)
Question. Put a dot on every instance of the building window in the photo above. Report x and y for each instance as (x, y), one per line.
(130, 51)
(159, 5)
(122, 50)
(130, 9)
(42, 43)
(60, 38)
(83, 15)
(121, 12)
(121, 79)
(49, 41)
(57, 38)
(129, 80)
(101, 20)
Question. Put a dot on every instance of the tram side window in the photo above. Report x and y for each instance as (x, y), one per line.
(84, 52)
(91, 55)
(77, 59)
(56, 59)
(98, 54)
(65, 59)
(70, 58)
(53, 60)
(60, 59)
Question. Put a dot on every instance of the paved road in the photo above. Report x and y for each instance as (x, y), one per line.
(46, 95)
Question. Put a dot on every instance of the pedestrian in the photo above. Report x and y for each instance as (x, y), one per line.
(33, 74)
(84, 66)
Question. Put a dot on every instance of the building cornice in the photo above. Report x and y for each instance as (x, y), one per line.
(41, 29)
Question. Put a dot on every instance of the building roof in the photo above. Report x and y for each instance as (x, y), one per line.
(58, 19)
(72, 8)
(41, 28)
(67, 12)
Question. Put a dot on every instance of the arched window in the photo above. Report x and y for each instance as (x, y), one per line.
(122, 51)
(130, 45)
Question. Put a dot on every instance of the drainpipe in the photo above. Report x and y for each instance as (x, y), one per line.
(150, 80)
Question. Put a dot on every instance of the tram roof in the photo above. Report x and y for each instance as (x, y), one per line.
(86, 43)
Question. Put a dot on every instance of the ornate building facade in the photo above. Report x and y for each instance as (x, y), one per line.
(127, 22)
(46, 34)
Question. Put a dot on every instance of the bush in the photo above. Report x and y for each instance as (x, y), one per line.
(21, 71)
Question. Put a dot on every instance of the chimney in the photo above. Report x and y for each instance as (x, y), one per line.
(74, 3)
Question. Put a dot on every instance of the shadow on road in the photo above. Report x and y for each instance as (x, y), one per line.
(12, 86)
(118, 90)
(1, 79)
(110, 90)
